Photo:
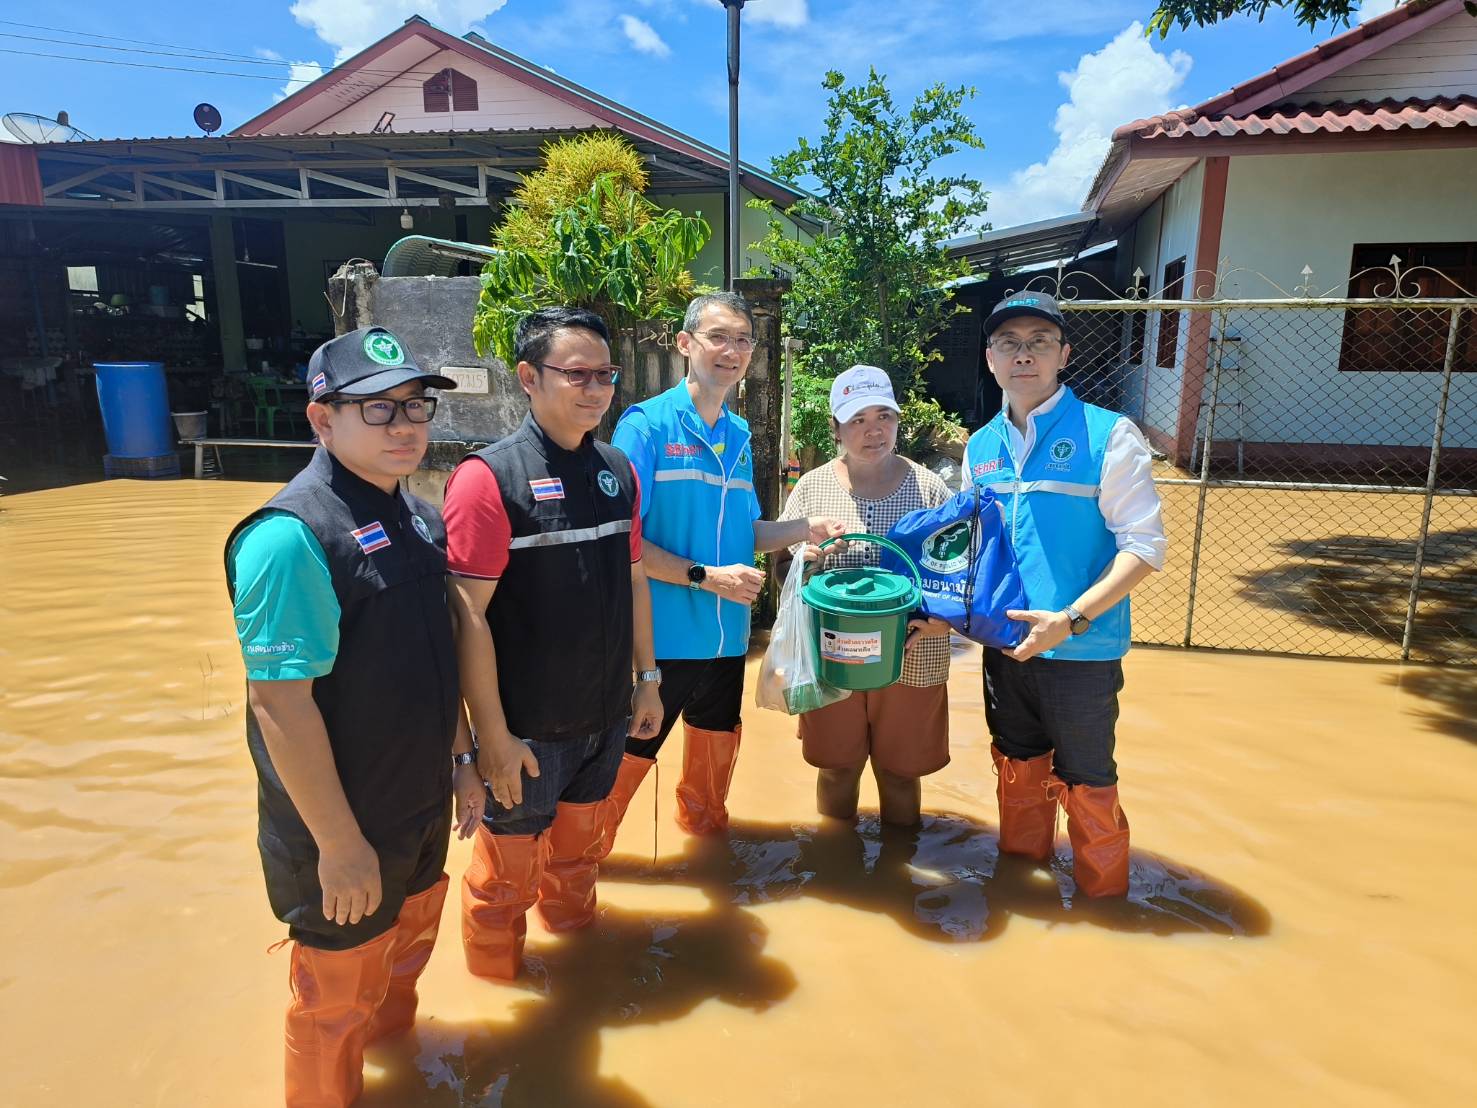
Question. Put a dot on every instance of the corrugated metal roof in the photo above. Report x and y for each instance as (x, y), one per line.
(1386, 115)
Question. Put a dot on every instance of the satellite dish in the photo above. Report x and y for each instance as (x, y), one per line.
(39, 128)
(207, 118)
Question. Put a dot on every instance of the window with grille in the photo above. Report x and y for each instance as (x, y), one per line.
(1409, 339)
(1169, 322)
(449, 91)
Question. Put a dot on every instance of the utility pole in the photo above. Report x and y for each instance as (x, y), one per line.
(733, 7)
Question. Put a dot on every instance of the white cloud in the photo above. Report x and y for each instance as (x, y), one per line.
(782, 13)
(1126, 80)
(1372, 8)
(644, 37)
(299, 74)
(351, 25)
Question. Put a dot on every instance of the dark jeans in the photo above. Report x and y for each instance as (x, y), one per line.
(706, 692)
(572, 771)
(1068, 707)
(411, 861)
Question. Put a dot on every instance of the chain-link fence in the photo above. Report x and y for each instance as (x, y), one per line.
(1316, 456)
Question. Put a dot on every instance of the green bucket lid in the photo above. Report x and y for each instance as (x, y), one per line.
(866, 590)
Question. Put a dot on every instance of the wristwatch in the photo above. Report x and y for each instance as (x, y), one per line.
(1080, 623)
(649, 676)
(466, 758)
(696, 575)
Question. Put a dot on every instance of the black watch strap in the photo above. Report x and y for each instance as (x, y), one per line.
(467, 758)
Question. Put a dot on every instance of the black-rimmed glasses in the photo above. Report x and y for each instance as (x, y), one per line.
(378, 411)
(1038, 346)
(580, 376)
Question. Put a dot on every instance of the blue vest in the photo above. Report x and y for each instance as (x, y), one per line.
(697, 502)
(1051, 510)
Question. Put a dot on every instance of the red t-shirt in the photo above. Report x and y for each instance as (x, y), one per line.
(477, 528)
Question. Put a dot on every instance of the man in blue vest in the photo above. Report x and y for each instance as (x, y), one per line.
(700, 529)
(353, 717)
(1075, 482)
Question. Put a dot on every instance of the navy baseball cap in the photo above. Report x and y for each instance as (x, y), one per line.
(1037, 304)
(364, 362)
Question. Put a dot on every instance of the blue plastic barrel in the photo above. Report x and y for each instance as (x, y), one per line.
(135, 408)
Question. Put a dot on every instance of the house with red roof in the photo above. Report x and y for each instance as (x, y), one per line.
(212, 252)
(1307, 179)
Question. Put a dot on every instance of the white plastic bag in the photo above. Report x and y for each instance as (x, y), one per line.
(789, 679)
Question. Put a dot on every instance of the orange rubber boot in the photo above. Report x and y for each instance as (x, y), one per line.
(566, 895)
(628, 779)
(500, 885)
(708, 758)
(415, 938)
(334, 996)
(1027, 812)
(1099, 832)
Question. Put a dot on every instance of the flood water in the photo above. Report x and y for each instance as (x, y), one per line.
(1299, 931)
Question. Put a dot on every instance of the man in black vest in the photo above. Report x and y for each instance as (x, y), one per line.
(353, 718)
(552, 615)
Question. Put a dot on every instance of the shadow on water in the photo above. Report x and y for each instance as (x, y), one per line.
(1451, 694)
(1360, 584)
(632, 968)
(945, 880)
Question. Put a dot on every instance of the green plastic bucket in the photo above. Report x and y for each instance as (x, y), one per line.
(861, 620)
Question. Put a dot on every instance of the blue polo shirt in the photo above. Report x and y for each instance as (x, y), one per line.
(697, 502)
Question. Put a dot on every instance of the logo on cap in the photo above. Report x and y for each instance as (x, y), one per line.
(384, 348)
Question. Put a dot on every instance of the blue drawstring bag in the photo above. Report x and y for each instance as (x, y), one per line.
(970, 576)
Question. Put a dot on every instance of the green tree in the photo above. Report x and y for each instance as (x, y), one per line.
(874, 287)
(580, 232)
(1203, 13)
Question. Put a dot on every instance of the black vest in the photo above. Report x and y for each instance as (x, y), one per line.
(390, 702)
(561, 616)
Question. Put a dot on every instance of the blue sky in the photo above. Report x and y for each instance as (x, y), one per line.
(1054, 76)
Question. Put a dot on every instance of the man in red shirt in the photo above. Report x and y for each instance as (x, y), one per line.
(552, 614)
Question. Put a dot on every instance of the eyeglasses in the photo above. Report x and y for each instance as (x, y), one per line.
(1038, 346)
(580, 376)
(742, 343)
(378, 411)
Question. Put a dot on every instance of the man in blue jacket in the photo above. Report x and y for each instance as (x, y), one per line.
(1077, 488)
(700, 529)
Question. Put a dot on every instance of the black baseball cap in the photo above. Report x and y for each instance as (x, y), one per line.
(364, 362)
(1037, 304)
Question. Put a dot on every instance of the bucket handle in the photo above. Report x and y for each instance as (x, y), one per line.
(880, 541)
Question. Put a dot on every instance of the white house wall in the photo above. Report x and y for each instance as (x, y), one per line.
(502, 104)
(1167, 230)
(1439, 61)
(1284, 212)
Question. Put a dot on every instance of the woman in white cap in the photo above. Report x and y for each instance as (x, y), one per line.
(902, 729)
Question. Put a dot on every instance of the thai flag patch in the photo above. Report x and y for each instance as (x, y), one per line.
(319, 381)
(547, 488)
(371, 537)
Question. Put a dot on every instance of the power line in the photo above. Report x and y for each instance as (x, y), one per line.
(275, 78)
(177, 50)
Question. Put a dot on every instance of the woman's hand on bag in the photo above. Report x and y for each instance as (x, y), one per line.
(1047, 630)
(925, 628)
(812, 553)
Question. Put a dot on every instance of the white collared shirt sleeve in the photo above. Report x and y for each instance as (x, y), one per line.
(1127, 497)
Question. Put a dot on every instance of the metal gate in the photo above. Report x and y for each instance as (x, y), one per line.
(1316, 455)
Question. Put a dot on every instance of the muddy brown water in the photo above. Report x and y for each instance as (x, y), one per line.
(1299, 929)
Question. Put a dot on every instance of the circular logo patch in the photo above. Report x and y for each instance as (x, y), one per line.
(383, 348)
(420, 527)
(608, 484)
(947, 549)
(1062, 450)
